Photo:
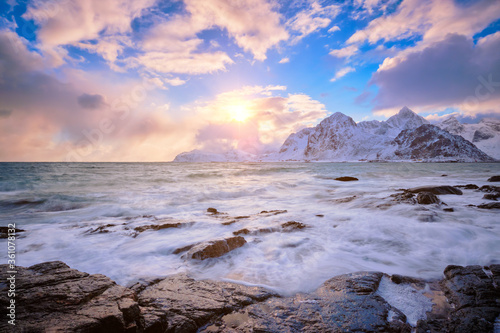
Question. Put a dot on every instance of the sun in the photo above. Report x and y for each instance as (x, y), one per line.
(239, 112)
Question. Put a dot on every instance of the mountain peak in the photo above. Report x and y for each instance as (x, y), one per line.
(405, 111)
(340, 118)
(406, 119)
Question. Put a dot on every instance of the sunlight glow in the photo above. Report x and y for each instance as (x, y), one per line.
(239, 112)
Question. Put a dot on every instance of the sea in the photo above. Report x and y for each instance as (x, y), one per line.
(86, 215)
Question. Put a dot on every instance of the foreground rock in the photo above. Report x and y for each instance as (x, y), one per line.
(51, 297)
(436, 190)
(215, 248)
(427, 198)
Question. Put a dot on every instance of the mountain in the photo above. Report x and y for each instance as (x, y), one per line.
(232, 155)
(429, 142)
(485, 135)
(405, 136)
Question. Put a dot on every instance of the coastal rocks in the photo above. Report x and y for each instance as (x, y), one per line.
(161, 226)
(345, 303)
(468, 186)
(436, 190)
(427, 198)
(494, 179)
(53, 297)
(346, 179)
(4, 231)
(215, 248)
(490, 205)
(182, 304)
(284, 227)
(474, 292)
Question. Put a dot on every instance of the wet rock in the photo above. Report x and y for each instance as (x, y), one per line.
(215, 248)
(346, 179)
(490, 205)
(103, 229)
(292, 226)
(468, 186)
(436, 190)
(346, 303)
(53, 297)
(183, 249)
(405, 197)
(320, 215)
(450, 210)
(489, 189)
(492, 196)
(444, 175)
(273, 212)
(212, 211)
(345, 200)
(494, 179)
(157, 227)
(474, 297)
(427, 198)
(182, 304)
(4, 231)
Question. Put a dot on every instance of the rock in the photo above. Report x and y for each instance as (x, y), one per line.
(215, 248)
(346, 179)
(212, 210)
(474, 297)
(427, 198)
(451, 210)
(320, 215)
(346, 303)
(405, 197)
(494, 179)
(160, 226)
(345, 200)
(489, 189)
(444, 175)
(436, 190)
(292, 226)
(53, 297)
(490, 205)
(468, 186)
(4, 232)
(491, 196)
(182, 304)
(273, 212)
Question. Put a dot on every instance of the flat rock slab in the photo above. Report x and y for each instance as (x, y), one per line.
(182, 304)
(346, 179)
(436, 190)
(53, 297)
(215, 248)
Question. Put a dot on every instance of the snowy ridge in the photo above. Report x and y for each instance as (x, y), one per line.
(405, 136)
(485, 135)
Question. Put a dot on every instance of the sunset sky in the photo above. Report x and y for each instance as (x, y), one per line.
(144, 80)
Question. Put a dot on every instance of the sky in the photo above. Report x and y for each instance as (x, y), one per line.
(144, 80)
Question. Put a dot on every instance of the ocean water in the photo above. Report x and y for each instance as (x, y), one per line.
(351, 226)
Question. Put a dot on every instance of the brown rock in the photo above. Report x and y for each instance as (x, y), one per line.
(215, 248)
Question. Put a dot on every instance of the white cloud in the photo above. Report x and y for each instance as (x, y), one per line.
(342, 72)
(312, 19)
(345, 52)
(333, 29)
(284, 60)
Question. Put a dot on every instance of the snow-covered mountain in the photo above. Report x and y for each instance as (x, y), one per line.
(485, 135)
(405, 136)
(233, 155)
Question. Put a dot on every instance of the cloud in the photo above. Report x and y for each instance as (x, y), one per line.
(284, 60)
(454, 72)
(333, 29)
(91, 102)
(5, 113)
(312, 19)
(342, 72)
(345, 52)
(68, 22)
(272, 118)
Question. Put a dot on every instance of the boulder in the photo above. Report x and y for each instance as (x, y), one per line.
(346, 179)
(492, 196)
(182, 304)
(436, 190)
(490, 205)
(215, 248)
(494, 179)
(468, 186)
(427, 198)
(53, 297)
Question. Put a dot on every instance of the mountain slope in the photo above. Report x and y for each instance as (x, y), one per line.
(485, 135)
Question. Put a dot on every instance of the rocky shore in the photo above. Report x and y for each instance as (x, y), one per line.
(52, 297)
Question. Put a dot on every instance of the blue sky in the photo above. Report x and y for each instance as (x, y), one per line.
(118, 80)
